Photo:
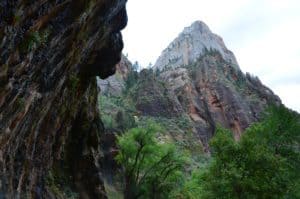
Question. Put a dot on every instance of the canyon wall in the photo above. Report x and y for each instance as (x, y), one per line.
(50, 55)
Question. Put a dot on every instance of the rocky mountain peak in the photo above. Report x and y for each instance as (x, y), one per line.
(191, 43)
(197, 26)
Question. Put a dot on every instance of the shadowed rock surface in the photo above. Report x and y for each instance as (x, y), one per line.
(114, 85)
(50, 55)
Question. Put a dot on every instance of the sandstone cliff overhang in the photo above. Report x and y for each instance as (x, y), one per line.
(50, 55)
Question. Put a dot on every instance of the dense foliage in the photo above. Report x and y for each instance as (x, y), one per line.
(152, 168)
(264, 163)
(118, 114)
(132, 77)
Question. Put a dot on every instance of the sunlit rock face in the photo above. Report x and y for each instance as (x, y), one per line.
(191, 43)
(50, 55)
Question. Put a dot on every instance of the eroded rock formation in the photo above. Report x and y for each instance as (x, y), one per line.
(202, 83)
(50, 54)
(210, 86)
(114, 85)
(213, 92)
(192, 42)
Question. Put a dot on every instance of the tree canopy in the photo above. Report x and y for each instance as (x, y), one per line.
(152, 168)
(263, 164)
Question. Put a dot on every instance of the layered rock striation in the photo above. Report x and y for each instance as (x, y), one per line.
(50, 55)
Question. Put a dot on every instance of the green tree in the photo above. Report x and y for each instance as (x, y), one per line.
(152, 169)
(132, 76)
(263, 164)
(280, 131)
(191, 187)
(136, 66)
(124, 120)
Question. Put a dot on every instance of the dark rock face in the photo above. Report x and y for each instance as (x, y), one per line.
(114, 85)
(152, 98)
(50, 53)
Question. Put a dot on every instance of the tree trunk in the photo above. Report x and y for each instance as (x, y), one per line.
(129, 188)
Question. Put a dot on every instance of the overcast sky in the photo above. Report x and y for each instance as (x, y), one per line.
(264, 35)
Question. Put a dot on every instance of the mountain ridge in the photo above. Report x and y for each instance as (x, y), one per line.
(190, 44)
(208, 90)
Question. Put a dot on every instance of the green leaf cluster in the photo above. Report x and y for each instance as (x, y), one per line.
(152, 168)
(263, 164)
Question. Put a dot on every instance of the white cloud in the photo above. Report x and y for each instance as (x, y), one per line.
(263, 34)
(289, 94)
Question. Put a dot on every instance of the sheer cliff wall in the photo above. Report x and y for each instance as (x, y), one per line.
(50, 55)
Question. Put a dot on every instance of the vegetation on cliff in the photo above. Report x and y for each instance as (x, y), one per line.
(260, 161)
(263, 164)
